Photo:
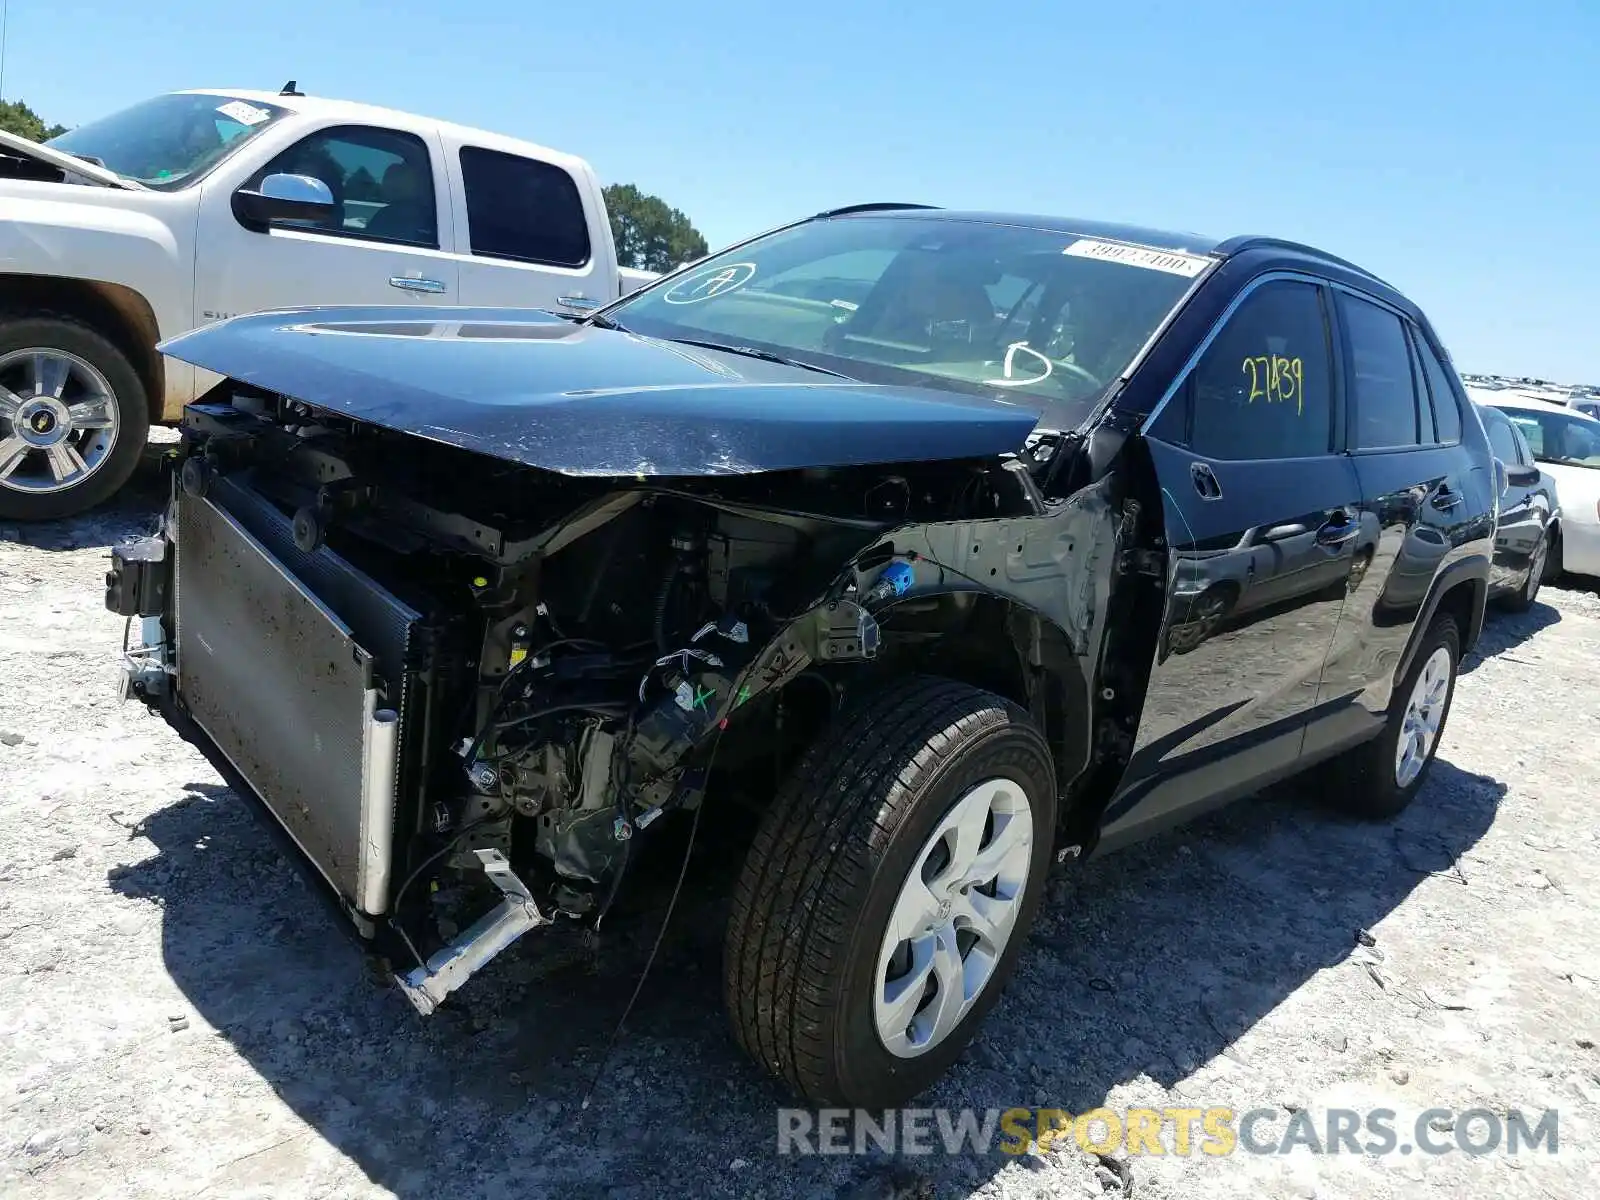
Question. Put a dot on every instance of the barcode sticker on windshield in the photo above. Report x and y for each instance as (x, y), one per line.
(1172, 261)
(245, 114)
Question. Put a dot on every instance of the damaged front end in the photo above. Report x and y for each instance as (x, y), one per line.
(464, 686)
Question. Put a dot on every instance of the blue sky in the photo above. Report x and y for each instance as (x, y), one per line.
(1450, 147)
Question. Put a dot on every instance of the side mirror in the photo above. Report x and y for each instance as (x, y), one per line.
(1520, 476)
(283, 198)
(1501, 480)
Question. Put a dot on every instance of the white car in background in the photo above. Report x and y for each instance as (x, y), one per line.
(195, 207)
(1566, 445)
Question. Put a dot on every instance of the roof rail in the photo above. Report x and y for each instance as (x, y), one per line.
(1251, 242)
(874, 206)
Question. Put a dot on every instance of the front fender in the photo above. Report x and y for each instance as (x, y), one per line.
(56, 237)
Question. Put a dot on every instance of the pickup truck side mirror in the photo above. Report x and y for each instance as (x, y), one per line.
(1520, 476)
(283, 198)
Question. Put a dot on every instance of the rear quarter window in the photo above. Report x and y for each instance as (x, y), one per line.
(1443, 395)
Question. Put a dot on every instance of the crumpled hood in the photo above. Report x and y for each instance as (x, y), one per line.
(61, 160)
(530, 388)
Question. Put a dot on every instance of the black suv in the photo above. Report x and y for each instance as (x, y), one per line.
(949, 545)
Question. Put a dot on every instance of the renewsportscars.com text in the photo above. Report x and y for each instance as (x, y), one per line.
(1176, 1131)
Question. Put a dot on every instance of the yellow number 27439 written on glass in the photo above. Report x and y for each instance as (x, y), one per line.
(1276, 379)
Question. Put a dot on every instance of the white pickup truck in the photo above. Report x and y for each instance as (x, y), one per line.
(196, 206)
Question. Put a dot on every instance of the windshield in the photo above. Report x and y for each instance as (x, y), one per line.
(168, 142)
(1041, 318)
(1558, 437)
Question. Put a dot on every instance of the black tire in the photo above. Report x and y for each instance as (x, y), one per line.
(20, 331)
(1553, 567)
(1522, 599)
(814, 897)
(1362, 781)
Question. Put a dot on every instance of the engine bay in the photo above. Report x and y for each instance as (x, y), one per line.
(577, 647)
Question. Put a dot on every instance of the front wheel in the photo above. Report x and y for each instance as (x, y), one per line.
(73, 417)
(889, 891)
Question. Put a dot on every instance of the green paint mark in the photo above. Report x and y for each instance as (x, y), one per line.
(744, 694)
(701, 695)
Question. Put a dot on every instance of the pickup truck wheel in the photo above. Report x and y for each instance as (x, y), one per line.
(888, 892)
(73, 417)
(1383, 776)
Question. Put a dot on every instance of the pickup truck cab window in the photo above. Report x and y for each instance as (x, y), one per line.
(1383, 389)
(523, 209)
(1264, 387)
(169, 142)
(381, 180)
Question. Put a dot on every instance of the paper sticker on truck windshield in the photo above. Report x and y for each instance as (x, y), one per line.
(1172, 261)
(245, 114)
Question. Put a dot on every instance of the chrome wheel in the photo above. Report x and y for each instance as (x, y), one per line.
(58, 420)
(1424, 714)
(953, 917)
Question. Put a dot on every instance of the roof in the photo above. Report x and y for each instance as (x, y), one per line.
(1192, 243)
(1161, 239)
(354, 111)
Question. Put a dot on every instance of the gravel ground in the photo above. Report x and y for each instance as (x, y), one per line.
(181, 1019)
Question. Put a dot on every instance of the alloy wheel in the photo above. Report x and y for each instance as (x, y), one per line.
(953, 917)
(1423, 716)
(58, 420)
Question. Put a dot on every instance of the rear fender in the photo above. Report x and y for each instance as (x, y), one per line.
(1462, 588)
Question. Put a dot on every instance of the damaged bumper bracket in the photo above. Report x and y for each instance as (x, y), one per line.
(427, 986)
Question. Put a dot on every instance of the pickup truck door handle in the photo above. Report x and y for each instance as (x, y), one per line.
(408, 284)
(1337, 530)
(582, 303)
(1445, 498)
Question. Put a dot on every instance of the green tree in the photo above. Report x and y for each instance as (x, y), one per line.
(649, 235)
(16, 117)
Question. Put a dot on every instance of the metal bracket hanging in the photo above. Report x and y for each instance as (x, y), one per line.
(427, 986)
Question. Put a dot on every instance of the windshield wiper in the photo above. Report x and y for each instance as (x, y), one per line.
(599, 321)
(763, 355)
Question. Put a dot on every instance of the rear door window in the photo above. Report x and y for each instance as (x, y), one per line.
(523, 209)
(1263, 389)
(1382, 387)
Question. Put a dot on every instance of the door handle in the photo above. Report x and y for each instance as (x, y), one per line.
(1445, 498)
(582, 303)
(1338, 530)
(1205, 481)
(408, 284)
(1278, 532)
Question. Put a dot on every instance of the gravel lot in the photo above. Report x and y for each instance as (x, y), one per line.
(181, 1019)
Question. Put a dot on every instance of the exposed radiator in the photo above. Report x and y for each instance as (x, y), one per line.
(294, 664)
